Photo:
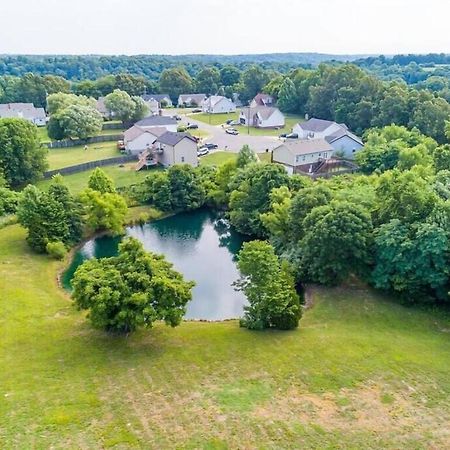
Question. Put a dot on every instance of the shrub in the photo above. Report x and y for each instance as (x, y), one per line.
(56, 250)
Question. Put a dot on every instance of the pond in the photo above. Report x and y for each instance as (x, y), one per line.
(200, 245)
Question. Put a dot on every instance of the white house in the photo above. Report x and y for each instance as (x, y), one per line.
(217, 104)
(177, 148)
(166, 122)
(338, 135)
(303, 155)
(137, 139)
(191, 100)
(23, 111)
(163, 100)
(262, 117)
(262, 100)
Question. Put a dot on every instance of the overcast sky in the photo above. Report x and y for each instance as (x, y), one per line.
(224, 26)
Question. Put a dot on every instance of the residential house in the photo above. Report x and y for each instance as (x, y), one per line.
(164, 100)
(262, 117)
(343, 141)
(152, 105)
(217, 104)
(262, 100)
(302, 155)
(191, 100)
(177, 148)
(138, 139)
(101, 108)
(166, 122)
(23, 111)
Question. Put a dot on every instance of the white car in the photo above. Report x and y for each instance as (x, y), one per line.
(202, 151)
(232, 131)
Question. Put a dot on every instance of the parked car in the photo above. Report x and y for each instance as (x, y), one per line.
(232, 131)
(177, 117)
(234, 123)
(121, 145)
(210, 146)
(228, 122)
(191, 126)
(196, 110)
(289, 135)
(202, 151)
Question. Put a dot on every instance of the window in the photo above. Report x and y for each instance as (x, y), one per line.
(182, 159)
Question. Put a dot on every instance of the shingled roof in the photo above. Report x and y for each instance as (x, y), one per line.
(155, 121)
(306, 146)
(172, 139)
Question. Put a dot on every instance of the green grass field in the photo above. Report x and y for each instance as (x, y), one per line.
(291, 120)
(215, 119)
(43, 134)
(217, 158)
(361, 372)
(122, 176)
(70, 156)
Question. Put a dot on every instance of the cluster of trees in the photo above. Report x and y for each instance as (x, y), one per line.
(125, 107)
(55, 219)
(348, 94)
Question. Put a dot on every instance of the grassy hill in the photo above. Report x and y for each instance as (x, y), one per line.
(360, 372)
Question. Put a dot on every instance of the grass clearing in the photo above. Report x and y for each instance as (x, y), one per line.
(265, 156)
(122, 177)
(291, 120)
(215, 119)
(64, 157)
(217, 158)
(361, 372)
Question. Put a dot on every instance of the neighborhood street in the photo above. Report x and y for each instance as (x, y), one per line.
(232, 143)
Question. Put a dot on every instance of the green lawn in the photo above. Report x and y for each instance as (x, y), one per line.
(43, 134)
(217, 158)
(214, 119)
(265, 157)
(122, 176)
(361, 372)
(70, 156)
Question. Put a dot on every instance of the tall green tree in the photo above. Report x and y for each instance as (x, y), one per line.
(80, 121)
(287, 96)
(22, 158)
(269, 287)
(253, 81)
(131, 290)
(99, 181)
(246, 156)
(175, 81)
(208, 80)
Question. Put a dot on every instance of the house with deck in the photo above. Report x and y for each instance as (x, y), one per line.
(344, 142)
(217, 104)
(137, 139)
(262, 117)
(25, 111)
(302, 155)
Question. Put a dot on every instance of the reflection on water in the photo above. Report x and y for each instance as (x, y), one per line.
(200, 245)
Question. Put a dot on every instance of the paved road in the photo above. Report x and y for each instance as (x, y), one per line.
(233, 143)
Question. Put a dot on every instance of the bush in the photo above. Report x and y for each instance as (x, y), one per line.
(181, 129)
(56, 250)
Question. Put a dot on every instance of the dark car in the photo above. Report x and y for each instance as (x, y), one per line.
(289, 135)
(196, 110)
(177, 117)
(229, 121)
(191, 126)
(210, 146)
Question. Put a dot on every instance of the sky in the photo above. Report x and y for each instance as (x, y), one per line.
(224, 26)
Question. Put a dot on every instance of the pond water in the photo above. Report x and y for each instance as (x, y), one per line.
(200, 245)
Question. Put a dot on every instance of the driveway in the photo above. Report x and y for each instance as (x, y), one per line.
(233, 143)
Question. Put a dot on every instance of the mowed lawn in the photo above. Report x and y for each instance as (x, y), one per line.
(361, 372)
(217, 158)
(63, 157)
(123, 175)
(215, 119)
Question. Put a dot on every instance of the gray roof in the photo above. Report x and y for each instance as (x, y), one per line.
(317, 125)
(306, 146)
(341, 133)
(198, 98)
(157, 97)
(264, 111)
(171, 138)
(21, 110)
(156, 121)
(135, 131)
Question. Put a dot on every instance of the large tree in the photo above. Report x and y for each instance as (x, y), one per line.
(124, 107)
(175, 81)
(251, 195)
(336, 242)
(207, 80)
(131, 290)
(269, 287)
(22, 158)
(61, 100)
(287, 96)
(253, 81)
(80, 121)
